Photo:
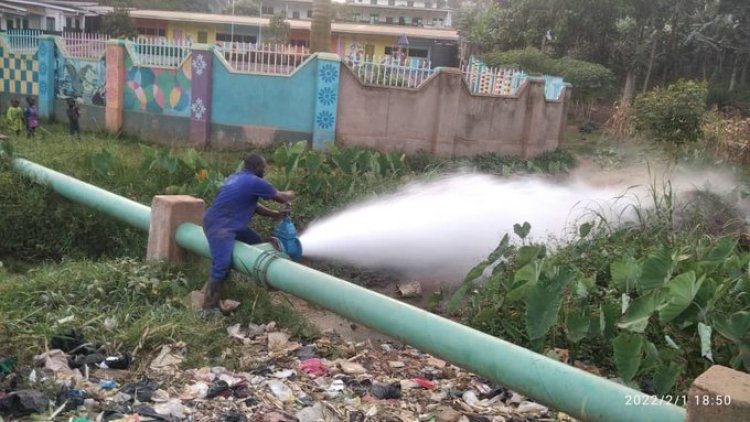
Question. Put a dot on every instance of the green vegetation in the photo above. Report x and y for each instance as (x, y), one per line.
(61, 259)
(674, 114)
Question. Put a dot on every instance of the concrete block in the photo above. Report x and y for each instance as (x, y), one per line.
(720, 394)
(168, 212)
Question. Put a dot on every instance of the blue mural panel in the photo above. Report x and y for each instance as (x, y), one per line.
(281, 102)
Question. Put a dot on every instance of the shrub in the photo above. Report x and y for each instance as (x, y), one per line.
(673, 114)
(591, 82)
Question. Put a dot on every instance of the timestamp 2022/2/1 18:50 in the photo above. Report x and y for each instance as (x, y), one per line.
(678, 400)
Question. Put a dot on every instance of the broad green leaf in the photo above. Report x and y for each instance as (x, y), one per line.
(735, 328)
(525, 279)
(704, 332)
(280, 156)
(666, 377)
(638, 313)
(625, 303)
(723, 249)
(681, 291)
(657, 269)
(313, 161)
(609, 313)
(584, 229)
(298, 147)
(583, 285)
(578, 326)
(455, 300)
(522, 230)
(625, 274)
(652, 358)
(627, 348)
(529, 253)
(542, 306)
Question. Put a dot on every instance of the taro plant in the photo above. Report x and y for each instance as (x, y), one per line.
(664, 316)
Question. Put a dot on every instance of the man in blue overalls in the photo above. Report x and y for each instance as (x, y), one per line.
(228, 219)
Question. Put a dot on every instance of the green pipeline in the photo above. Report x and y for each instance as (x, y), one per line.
(547, 381)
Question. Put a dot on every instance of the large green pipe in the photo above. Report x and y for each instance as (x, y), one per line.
(560, 386)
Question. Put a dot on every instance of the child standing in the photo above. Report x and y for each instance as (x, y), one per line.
(15, 117)
(32, 118)
(74, 114)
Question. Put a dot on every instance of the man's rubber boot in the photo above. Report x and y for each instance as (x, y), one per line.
(212, 298)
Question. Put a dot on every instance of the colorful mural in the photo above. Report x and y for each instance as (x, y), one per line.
(85, 79)
(158, 90)
(19, 73)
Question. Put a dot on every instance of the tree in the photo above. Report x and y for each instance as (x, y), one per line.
(118, 24)
(243, 8)
(320, 30)
(278, 29)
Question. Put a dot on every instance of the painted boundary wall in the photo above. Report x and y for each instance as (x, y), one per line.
(442, 117)
(203, 102)
(19, 71)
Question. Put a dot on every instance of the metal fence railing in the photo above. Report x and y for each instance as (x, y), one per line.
(161, 52)
(84, 45)
(265, 58)
(390, 71)
(22, 41)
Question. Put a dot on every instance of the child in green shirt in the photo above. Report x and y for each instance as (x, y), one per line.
(15, 117)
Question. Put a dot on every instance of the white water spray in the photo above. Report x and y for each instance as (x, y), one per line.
(441, 229)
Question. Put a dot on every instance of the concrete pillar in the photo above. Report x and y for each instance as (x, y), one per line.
(326, 99)
(449, 81)
(534, 127)
(115, 56)
(720, 394)
(200, 107)
(167, 213)
(565, 98)
(47, 65)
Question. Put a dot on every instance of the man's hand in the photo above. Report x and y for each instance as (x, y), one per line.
(284, 197)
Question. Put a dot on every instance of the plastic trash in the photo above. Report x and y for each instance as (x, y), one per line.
(313, 367)
(114, 362)
(23, 403)
(217, 389)
(470, 398)
(335, 389)
(280, 390)
(107, 384)
(387, 391)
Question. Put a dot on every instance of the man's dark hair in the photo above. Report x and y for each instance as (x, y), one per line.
(254, 162)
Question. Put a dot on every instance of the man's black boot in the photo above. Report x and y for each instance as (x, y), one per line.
(212, 298)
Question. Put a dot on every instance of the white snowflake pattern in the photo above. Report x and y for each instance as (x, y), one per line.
(198, 108)
(199, 64)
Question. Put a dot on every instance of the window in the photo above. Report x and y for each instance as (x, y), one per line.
(50, 24)
(374, 2)
(374, 18)
(202, 37)
(409, 4)
(401, 20)
(152, 32)
(389, 51)
(418, 52)
(416, 21)
(267, 10)
(295, 14)
(434, 21)
(78, 24)
(369, 50)
(9, 24)
(227, 37)
(427, 5)
(25, 24)
(68, 23)
(299, 43)
(389, 20)
(355, 17)
(391, 2)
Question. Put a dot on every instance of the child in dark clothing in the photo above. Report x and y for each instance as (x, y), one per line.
(32, 118)
(74, 114)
